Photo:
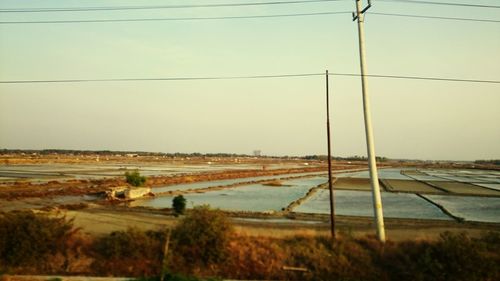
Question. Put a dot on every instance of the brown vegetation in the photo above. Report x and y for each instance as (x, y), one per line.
(32, 243)
(203, 244)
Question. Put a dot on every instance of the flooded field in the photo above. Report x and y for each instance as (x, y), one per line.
(359, 203)
(495, 186)
(394, 174)
(463, 188)
(467, 176)
(401, 195)
(254, 197)
(406, 192)
(44, 172)
(470, 208)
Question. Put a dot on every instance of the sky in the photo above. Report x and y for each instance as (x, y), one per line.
(412, 119)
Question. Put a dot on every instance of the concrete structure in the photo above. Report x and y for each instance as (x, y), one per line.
(127, 192)
(137, 192)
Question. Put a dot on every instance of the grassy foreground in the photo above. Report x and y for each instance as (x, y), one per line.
(204, 244)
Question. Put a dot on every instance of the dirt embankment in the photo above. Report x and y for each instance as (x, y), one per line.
(22, 189)
(101, 220)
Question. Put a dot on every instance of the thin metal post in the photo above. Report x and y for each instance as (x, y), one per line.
(377, 201)
(330, 185)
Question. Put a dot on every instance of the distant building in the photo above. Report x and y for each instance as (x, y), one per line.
(257, 153)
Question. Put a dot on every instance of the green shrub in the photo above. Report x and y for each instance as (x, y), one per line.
(179, 204)
(27, 239)
(135, 179)
(201, 237)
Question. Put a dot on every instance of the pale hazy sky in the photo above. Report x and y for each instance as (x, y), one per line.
(412, 119)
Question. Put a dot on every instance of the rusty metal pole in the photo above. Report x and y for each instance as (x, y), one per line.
(330, 185)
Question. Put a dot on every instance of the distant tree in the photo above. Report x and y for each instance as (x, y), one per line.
(486, 162)
(381, 158)
(135, 179)
(179, 204)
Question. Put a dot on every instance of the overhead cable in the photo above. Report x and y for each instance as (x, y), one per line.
(434, 17)
(443, 3)
(118, 8)
(444, 79)
(243, 17)
(174, 19)
(162, 79)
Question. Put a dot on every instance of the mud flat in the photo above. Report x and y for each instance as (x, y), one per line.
(465, 188)
(352, 184)
(410, 186)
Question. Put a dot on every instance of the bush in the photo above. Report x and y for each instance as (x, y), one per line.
(135, 179)
(131, 252)
(342, 259)
(201, 238)
(452, 257)
(178, 277)
(27, 239)
(179, 204)
(255, 258)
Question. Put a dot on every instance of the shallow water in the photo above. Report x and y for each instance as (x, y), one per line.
(255, 197)
(495, 186)
(482, 209)
(359, 203)
(281, 220)
(462, 179)
(104, 170)
(390, 174)
(467, 176)
(490, 179)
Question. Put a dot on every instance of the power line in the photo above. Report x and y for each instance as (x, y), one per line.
(434, 17)
(175, 19)
(434, 78)
(243, 17)
(162, 79)
(118, 8)
(442, 3)
(444, 79)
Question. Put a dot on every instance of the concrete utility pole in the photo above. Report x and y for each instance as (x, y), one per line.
(377, 201)
(330, 185)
